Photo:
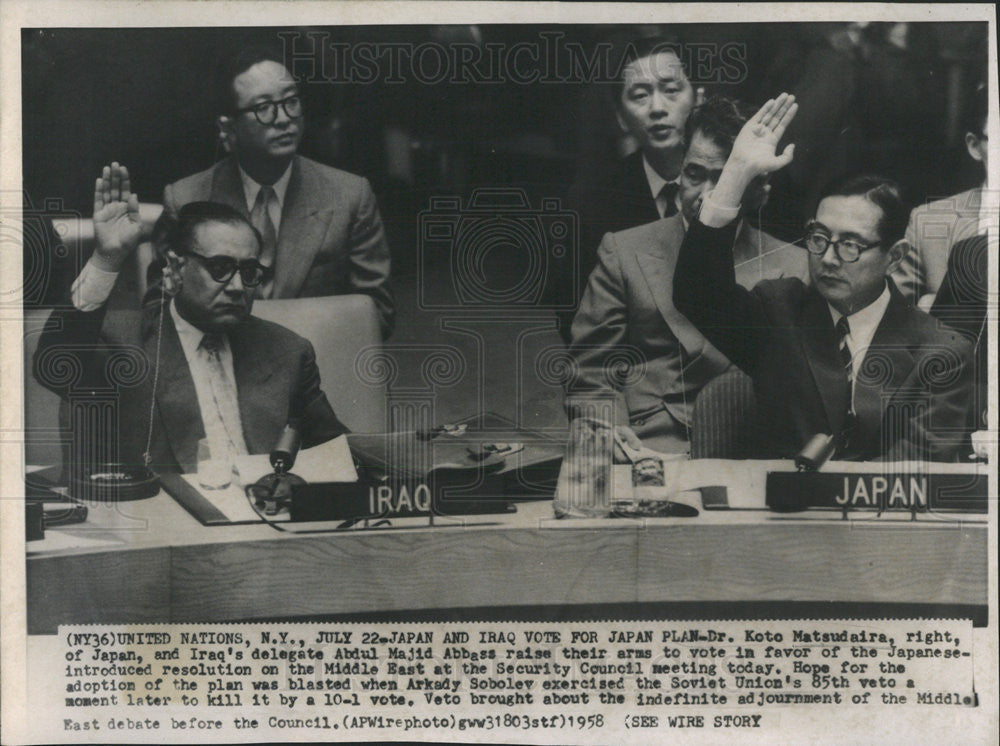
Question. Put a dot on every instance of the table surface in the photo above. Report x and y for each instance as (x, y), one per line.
(150, 561)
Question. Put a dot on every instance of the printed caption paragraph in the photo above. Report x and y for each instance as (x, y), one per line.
(357, 681)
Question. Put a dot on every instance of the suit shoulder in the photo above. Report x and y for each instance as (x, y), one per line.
(649, 234)
(195, 184)
(343, 179)
(275, 334)
(957, 203)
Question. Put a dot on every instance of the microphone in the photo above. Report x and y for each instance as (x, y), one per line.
(286, 449)
(815, 453)
(273, 492)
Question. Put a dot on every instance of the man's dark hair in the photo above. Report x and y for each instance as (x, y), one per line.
(181, 231)
(235, 65)
(974, 111)
(881, 192)
(720, 119)
(637, 49)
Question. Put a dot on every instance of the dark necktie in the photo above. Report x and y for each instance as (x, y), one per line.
(666, 200)
(843, 331)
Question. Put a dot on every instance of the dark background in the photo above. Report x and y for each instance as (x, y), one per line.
(144, 97)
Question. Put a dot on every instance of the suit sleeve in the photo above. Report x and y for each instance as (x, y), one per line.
(369, 258)
(908, 276)
(936, 431)
(70, 352)
(598, 338)
(311, 410)
(705, 290)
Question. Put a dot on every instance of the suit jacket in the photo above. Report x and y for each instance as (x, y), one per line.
(961, 304)
(277, 383)
(913, 389)
(622, 200)
(627, 316)
(933, 229)
(330, 241)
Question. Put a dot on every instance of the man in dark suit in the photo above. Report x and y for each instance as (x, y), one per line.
(652, 102)
(961, 303)
(627, 315)
(847, 356)
(213, 371)
(320, 225)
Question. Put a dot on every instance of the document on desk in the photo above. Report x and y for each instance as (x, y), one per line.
(327, 462)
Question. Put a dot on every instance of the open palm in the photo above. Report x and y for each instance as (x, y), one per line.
(756, 145)
(117, 225)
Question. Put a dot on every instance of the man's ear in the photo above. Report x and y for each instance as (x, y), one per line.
(972, 145)
(227, 137)
(621, 122)
(172, 279)
(896, 252)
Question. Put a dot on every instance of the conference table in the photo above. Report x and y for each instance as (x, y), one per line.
(151, 561)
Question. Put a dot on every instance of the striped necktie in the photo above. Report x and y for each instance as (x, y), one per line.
(843, 331)
(260, 216)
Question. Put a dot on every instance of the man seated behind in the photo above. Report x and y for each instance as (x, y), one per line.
(218, 372)
(848, 356)
(627, 316)
(937, 226)
(320, 226)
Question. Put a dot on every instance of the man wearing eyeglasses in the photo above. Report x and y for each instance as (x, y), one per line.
(627, 313)
(216, 372)
(320, 225)
(848, 356)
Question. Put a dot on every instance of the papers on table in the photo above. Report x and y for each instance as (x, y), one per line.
(327, 462)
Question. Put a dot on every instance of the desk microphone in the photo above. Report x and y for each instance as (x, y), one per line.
(273, 492)
(815, 453)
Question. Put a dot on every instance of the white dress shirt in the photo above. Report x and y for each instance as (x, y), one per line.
(862, 325)
(190, 337)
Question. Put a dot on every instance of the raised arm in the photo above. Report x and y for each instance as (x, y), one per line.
(705, 288)
(117, 225)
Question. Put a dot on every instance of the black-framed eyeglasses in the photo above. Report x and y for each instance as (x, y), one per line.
(267, 111)
(222, 269)
(847, 249)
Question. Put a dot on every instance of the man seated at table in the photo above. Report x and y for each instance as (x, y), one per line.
(214, 372)
(627, 315)
(848, 356)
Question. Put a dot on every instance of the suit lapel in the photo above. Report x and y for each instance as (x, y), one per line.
(818, 341)
(227, 187)
(657, 263)
(253, 366)
(642, 206)
(887, 364)
(176, 400)
(301, 231)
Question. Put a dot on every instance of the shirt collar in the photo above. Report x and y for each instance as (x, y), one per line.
(655, 181)
(868, 318)
(251, 187)
(189, 334)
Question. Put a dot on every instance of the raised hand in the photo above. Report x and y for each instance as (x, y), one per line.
(755, 148)
(117, 226)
